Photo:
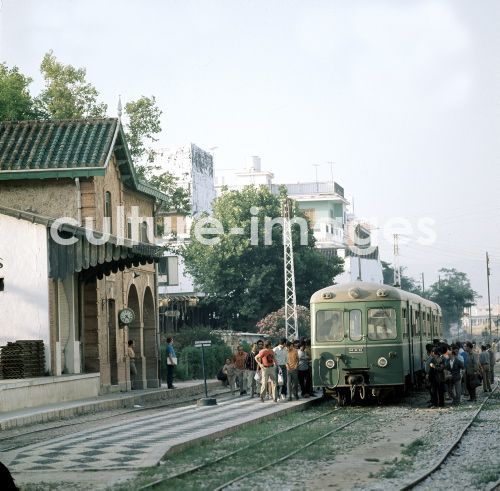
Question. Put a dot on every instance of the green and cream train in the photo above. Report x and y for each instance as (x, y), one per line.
(369, 339)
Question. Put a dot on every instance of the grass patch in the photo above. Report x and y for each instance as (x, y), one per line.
(414, 447)
(257, 456)
(488, 476)
(397, 467)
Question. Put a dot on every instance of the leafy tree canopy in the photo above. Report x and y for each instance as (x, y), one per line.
(67, 93)
(143, 125)
(16, 102)
(245, 281)
(453, 292)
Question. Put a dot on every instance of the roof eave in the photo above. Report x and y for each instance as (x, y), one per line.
(52, 173)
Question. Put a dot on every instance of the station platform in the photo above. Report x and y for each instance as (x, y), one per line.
(113, 452)
(112, 401)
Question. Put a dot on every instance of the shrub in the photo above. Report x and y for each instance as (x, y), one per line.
(273, 324)
(189, 358)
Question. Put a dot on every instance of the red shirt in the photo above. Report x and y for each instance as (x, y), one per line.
(266, 355)
(239, 359)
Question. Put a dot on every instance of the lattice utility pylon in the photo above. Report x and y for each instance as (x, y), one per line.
(291, 325)
(397, 269)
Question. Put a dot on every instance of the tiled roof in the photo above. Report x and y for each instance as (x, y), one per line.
(65, 144)
(67, 148)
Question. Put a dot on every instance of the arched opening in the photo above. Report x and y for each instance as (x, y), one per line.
(90, 328)
(150, 339)
(112, 351)
(135, 332)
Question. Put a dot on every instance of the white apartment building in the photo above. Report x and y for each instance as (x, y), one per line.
(179, 296)
(336, 230)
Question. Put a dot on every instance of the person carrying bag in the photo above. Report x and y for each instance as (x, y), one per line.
(171, 362)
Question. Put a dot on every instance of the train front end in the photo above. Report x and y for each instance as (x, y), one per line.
(356, 342)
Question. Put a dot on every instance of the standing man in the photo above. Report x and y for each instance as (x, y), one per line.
(455, 365)
(471, 371)
(171, 362)
(491, 352)
(239, 360)
(281, 354)
(250, 369)
(292, 366)
(484, 360)
(131, 357)
(267, 362)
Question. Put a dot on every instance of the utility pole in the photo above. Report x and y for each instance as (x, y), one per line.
(488, 281)
(423, 285)
(317, 184)
(498, 314)
(291, 324)
(397, 270)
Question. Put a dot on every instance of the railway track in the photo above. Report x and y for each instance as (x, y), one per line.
(158, 483)
(422, 477)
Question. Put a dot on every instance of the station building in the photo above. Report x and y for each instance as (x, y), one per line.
(68, 180)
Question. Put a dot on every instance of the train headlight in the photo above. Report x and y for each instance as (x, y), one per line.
(330, 363)
(382, 362)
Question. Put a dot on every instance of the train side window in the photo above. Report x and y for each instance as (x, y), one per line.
(329, 325)
(417, 322)
(355, 332)
(405, 323)
(382, 324)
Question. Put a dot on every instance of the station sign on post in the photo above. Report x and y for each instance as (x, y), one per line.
(206, 401)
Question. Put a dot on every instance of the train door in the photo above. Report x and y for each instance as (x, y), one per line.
(356, 345)
(417, 339)
(411, 331)
(405, 336)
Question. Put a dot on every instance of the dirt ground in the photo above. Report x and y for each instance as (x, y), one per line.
(357, 466)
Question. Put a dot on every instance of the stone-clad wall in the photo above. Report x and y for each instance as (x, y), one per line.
(47, 197)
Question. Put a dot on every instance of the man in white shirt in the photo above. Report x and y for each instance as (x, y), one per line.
(281, 355)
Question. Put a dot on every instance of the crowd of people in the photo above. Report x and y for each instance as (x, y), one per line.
(457, 370)
(271, 373)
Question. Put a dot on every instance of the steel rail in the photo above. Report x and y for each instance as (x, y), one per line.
(287, 456)
(219, 459)
(172, 403)
(449, 450)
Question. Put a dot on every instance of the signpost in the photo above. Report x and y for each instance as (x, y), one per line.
(206, 401)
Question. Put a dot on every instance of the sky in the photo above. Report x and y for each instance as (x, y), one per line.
(402, 96)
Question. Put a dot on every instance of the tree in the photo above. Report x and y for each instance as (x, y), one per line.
(143, 125)
(452, 292)
(16, 102)
(179, 198)
(244, 281)
(67, 94)
(408, 284)
(273, 324)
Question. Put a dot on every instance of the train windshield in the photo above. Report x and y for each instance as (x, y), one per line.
(355, 332)
(382, 324)
(329, 325)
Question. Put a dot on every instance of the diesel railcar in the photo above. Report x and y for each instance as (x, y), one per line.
(368, 339)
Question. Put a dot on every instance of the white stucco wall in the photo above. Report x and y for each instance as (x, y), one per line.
(185, 283)
(24, 303)
(193, 167)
